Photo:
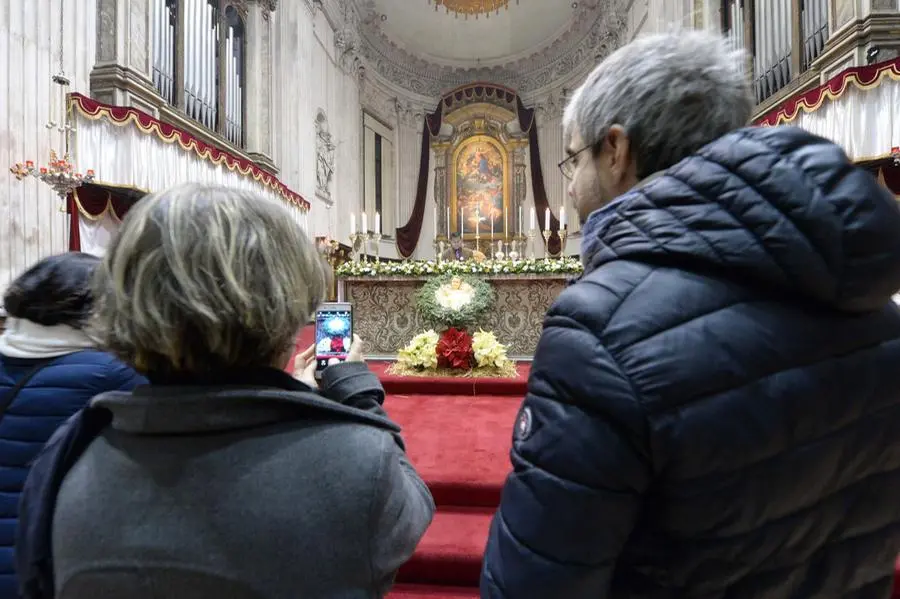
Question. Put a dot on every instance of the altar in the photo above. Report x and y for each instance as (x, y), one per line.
(385, 315)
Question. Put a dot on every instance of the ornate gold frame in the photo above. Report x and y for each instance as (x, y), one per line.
(454, 204)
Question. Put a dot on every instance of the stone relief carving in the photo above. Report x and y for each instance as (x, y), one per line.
(138, 36)
(324, 158)
(596, 31)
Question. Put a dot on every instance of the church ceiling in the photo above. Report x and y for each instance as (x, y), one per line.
(527, 45)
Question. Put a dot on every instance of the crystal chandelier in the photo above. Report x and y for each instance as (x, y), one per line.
(60, 172)
(471, 7)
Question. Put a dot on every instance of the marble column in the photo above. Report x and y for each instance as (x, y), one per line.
(519, 190)
(121, 75)
(259, 84)
(441, 201)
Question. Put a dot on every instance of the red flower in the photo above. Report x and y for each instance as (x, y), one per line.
(454, 349)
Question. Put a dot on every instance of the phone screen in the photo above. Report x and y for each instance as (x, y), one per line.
(334, 332)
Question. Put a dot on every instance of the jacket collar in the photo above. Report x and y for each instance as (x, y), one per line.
(246, 400)
(777, 208)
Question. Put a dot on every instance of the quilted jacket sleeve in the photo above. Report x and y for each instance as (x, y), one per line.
(580, 466)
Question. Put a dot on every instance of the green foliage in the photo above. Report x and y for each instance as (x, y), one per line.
(468, 315)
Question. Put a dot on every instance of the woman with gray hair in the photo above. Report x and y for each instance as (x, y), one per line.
(226, 477)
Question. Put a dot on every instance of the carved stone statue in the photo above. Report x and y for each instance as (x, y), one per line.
(324, 158)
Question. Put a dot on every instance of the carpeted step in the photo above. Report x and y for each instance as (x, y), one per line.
(458, 444)
(452, 385)
(415, 591)
(450, 553)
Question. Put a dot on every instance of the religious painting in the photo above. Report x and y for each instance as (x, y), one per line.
(480, 187)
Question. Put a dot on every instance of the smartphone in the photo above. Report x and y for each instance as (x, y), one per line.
(334, 333)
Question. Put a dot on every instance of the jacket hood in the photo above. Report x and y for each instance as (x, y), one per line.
(171, 410)
(777, 207)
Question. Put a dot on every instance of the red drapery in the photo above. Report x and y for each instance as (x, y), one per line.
(92, 201)
(408, 235)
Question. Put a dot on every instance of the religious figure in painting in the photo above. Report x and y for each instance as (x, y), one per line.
(479, 187)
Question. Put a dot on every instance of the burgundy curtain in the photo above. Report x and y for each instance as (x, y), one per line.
(95, 200)
(408, 235)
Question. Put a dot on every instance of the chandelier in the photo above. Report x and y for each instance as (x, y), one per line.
(471, 7)
(60, 172)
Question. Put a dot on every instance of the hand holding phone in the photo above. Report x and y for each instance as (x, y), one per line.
(305, 366)
(334, 334)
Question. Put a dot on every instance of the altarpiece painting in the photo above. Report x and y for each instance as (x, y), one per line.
(480, 187)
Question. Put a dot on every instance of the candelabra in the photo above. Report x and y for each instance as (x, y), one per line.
(376, 237)
(563, 236)
(531, 244)
(60, 173)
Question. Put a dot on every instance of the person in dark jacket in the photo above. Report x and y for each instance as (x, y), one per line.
(714, 407)
(226, 476)
(49, 369)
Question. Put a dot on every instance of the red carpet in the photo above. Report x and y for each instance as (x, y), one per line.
(458, 434)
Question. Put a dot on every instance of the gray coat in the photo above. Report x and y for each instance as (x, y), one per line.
(262, 491)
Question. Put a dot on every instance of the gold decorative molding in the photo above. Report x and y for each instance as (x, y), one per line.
(471, 7)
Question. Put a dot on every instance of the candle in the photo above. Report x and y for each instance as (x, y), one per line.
(562, 217)
(492, 228)
(378, 223)
(533, 220)
(462, 223)
(365, 224)
(434, 221)
(448, 222)
(353, 223)
(546, 219)
(521, 221)
(505, 224)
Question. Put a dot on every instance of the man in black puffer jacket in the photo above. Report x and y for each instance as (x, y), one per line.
(714, 407)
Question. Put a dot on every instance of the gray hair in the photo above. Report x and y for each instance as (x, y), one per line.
(201, 279)
(673, 93)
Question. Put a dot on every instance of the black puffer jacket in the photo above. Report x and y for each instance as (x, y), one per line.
(714, 408)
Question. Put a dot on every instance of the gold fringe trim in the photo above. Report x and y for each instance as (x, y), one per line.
(132, 117)
(888, 71)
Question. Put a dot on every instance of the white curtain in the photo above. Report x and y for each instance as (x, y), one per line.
(865, 122)
(126, 156)
(95, 235)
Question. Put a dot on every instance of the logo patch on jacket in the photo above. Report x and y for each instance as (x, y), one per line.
(523, 424)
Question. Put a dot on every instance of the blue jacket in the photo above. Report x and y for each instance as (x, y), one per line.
(52, 396)
(714, 407)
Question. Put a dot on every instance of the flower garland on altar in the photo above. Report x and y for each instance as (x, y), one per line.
(419, 268)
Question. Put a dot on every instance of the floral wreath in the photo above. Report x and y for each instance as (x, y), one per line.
(454, 300)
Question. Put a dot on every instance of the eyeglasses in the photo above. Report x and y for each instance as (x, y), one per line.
(567, 166)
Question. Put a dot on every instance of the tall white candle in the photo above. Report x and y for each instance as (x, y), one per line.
(492, 227)
(533, 220)
(353, 223)
(434, 221)
(562, 217)
(365, 223)
(378, 223)
(462, 223)
(546, 219)
(448, 222)
(505, 224)
(521, 221)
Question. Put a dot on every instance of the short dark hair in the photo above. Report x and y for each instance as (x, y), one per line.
(455, 235)
(56, 290)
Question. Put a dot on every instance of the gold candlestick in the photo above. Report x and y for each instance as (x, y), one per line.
(563, 236)
(546, 238)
